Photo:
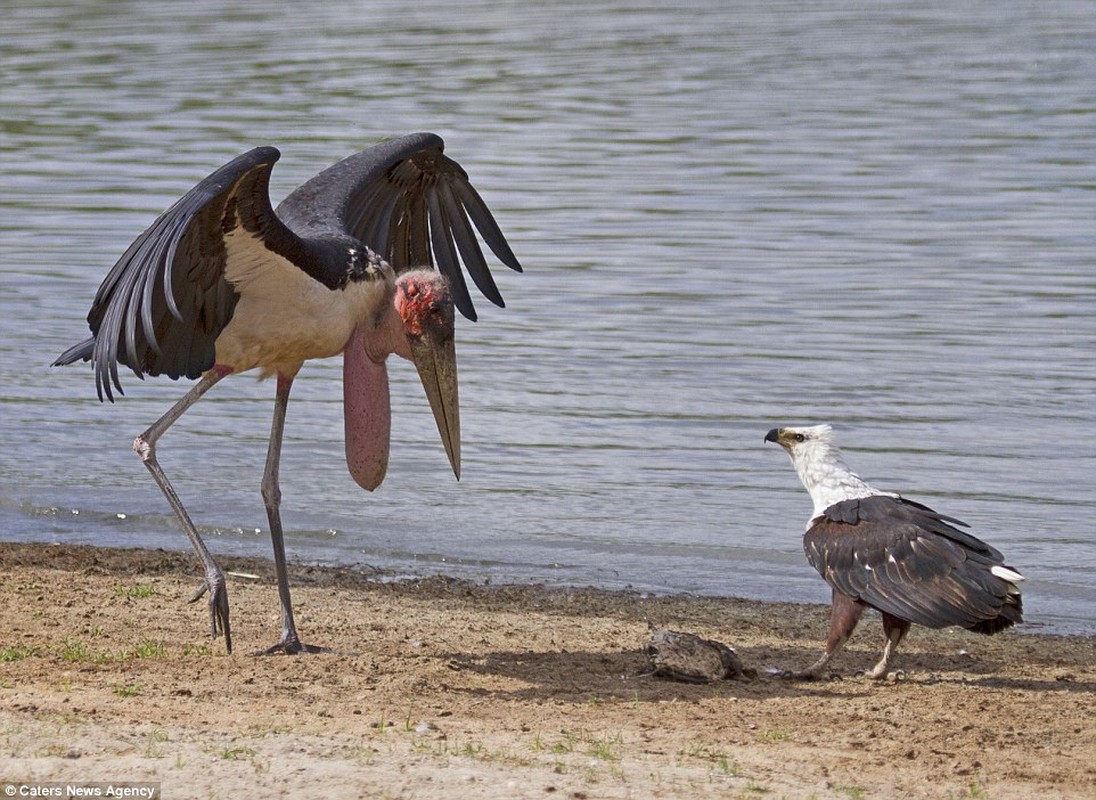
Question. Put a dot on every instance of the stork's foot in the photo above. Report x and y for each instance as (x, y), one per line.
(292, 646)
(214, 583)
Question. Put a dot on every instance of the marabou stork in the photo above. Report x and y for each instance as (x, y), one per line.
(222, 283)
(879, 550)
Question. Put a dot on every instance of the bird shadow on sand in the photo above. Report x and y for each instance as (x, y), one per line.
(1064, 683)
(622, 676)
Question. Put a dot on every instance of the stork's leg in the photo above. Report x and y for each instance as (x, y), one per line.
(894, 630)
(145, 447)
(844, 614)
(290, 643)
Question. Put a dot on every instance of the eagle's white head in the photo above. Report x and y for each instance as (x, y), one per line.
(821, 466)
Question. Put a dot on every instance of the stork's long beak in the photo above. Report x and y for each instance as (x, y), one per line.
(435, 355)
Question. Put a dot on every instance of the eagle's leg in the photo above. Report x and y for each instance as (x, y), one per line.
(894, 630)
(844, 614)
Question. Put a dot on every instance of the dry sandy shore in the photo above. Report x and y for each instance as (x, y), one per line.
(504, 692)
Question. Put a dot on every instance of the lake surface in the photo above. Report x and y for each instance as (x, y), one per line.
(732, 216)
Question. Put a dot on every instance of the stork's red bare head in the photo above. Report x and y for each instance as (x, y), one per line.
(425, 304)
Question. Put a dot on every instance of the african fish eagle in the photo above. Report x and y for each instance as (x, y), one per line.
(879, 550)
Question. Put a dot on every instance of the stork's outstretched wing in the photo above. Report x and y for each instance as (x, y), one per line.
(160, 309)
(905, 559)
(412, 205)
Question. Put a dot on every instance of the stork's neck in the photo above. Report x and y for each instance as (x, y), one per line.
(826, 476)
(385, 338)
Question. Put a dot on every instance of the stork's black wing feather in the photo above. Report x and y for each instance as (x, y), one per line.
(905, 559)
(160, 309)
(411, 204)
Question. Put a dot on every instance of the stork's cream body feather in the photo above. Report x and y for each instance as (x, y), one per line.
(285, 317)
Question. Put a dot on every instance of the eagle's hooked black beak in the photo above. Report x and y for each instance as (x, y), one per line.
(773, 435)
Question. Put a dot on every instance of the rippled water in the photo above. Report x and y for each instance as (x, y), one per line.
(731, 217)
